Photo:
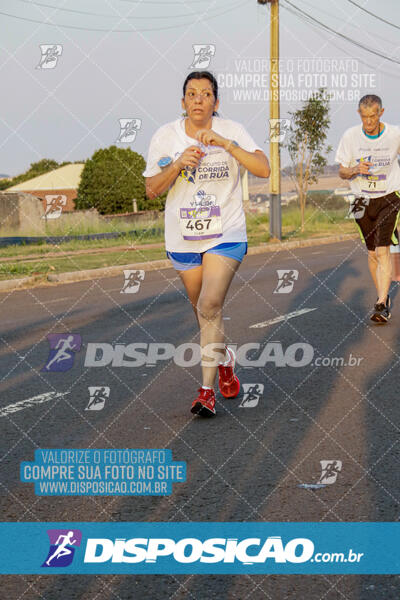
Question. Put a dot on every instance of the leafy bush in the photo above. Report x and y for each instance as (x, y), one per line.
(112, 179)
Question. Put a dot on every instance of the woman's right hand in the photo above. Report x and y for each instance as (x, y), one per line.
(160, 183)
(190, 157)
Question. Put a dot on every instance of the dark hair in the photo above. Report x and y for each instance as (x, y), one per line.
(203, 75)
(369, 100)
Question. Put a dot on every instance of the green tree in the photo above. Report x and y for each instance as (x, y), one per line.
(307, 144)
(37, 168)
(112, 179)
(4, 184)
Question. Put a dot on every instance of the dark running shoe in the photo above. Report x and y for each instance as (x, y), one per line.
(382, 312)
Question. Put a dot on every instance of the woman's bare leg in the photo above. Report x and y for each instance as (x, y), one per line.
(218, 272)
(191, 279)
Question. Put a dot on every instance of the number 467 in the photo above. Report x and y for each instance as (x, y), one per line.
(199, 224)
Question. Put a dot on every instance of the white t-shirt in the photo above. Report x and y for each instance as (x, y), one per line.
(355, 146)
(206, 201)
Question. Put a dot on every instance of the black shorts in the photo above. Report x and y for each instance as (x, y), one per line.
(378, 222)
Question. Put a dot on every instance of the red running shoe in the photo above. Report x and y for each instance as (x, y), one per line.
(229, 384)
(204, 405)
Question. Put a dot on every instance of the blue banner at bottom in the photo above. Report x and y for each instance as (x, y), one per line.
(196, 548)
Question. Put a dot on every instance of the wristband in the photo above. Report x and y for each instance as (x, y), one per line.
(165, 161)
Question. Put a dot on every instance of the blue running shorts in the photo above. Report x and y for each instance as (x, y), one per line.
(183, 261)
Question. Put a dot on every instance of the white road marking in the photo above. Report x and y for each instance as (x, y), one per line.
(12, 408)
(54, 300)
(119, 288)
(312, 486)
(291, 315)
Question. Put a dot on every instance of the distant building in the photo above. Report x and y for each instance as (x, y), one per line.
(60, 182)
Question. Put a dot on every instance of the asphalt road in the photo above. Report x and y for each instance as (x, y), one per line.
(247, 463)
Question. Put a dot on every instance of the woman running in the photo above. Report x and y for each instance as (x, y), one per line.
(198, 158)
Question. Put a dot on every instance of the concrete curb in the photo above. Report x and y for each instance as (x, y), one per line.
(151, 265)
(281, 246)
(155, 265)
(16, 284)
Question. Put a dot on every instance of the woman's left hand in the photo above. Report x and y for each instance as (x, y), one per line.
(208, 137)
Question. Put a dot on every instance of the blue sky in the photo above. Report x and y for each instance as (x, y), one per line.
(68, 112)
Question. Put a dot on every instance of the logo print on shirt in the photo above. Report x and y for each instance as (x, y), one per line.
(189, 174)
(364, 159)
(202, 199)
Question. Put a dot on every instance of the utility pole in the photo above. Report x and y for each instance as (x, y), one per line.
(275, 217)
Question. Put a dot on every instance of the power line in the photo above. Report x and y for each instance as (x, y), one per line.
(320, 30)
(61, 25)
(345, 37)
(373, 14)
(181, 2)
(116, 16)
(332, 16)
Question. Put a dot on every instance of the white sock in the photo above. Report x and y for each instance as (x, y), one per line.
(205, 387)
(227, 359)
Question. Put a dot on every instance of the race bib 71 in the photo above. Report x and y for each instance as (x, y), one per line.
(373, 184)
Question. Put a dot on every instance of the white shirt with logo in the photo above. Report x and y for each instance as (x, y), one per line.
(384, 177)
(204, 205)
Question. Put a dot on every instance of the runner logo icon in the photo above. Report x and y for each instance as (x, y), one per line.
(63, 543)
(98, 396)
(50, 54)
(133, 278)
(54, 205)
(62, 351)
(278, 129)
(128, 130)
(202, 55)
(357, 207)
(286, 279)
(330, 470)
(252, 394)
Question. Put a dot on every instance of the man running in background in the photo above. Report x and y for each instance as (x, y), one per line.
(368, 157)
